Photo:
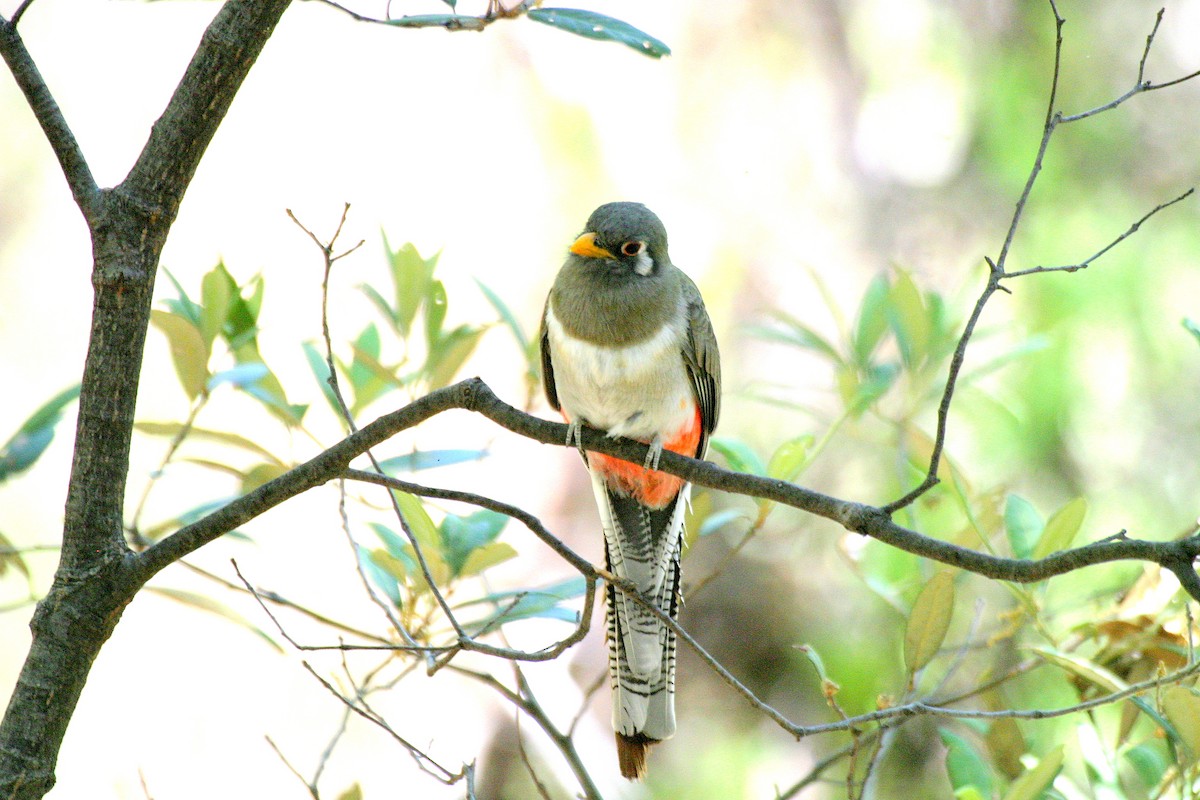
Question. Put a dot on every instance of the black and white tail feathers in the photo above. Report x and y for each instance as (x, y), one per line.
(642, 545)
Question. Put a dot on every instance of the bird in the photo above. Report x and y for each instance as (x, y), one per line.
(628, 348)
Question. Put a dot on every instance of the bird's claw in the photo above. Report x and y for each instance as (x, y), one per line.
(655, 454)
(575, 436)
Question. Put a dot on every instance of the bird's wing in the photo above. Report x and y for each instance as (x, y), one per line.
(547, 366)
(703, 362)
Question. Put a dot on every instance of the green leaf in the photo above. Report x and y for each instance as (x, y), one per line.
(798, 334)
(872, 321)
(240, 376)
(965, 765)
(738, 455)
(184, 306)
(461, 536)
(426, 535)
(216, 290)
(519, 604)
(188, 350)
(1192, 327)
(1182, 708)
(929, 621)
(320, 371)
(269, 391)
(355, 791)
(486, 557)
(449, 354)
(1023, 525)
(377, 574)
(789, 458)
(194, 514)
(909, 319)
(719, 519)
(436, 304)
(1081, 667)
(259, 474)
(1031, 783)
(411, 275)
(1061, 528)
(429, 459)
(1149, 762)
(34, 436)
(506, 315)
(861, 395)
(598, 26)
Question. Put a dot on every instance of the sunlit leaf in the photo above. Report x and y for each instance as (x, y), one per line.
(543, 602)
(719, 519)
(1182, 708)
(189, 354)
(1061, 528)
(909, 319)
(929, 621)
(879, 378)
(194, 514)
(1031, 783)
(426, 535)
(598, 26)
(796, 333)
(1023, 525)
(355, 791)
(449, 353)
(429, 459)
(436, 305)
(485, 557)
(1081, 667)
(259, 474)
(184, 306)
(411, 275)
(173, 429)
(789, 458)
(461, 536)
(216, 290)
(206, 603)
(872, 321)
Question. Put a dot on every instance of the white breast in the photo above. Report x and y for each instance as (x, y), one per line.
(640, 391)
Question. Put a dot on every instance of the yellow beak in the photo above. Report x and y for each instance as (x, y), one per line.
(586, 246)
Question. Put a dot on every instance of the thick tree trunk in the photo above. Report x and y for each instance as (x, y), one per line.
(98, 574)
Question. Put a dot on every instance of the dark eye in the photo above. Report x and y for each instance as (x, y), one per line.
(632, 248)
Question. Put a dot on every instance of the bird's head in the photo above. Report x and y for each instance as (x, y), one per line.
(623, 239)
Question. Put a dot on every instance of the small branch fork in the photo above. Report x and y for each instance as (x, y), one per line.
(997, 268)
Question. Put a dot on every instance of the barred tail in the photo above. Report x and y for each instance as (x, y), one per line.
(642, 545)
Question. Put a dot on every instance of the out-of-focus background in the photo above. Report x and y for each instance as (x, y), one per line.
(796, 152)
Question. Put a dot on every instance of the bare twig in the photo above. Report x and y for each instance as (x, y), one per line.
(311, 787)
(998, 267)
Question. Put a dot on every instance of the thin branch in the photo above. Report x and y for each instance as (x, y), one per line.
(1088, 261)
(524, 700)
(359, 706)
(20, 12)
(449, 22)
(474, 395)
(49, 116)
(311, 787)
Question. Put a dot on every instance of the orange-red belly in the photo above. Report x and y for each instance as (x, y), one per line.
(649, 486)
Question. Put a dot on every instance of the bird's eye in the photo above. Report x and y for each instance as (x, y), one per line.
(632, 248)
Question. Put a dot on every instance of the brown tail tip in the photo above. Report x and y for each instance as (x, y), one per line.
(631, 752)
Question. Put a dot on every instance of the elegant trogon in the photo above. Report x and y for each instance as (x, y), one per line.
(627, 348)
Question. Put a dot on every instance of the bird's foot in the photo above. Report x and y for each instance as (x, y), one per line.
(575, 436)
(652, 457)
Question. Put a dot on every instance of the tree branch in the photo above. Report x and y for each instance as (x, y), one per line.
(49, 116)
